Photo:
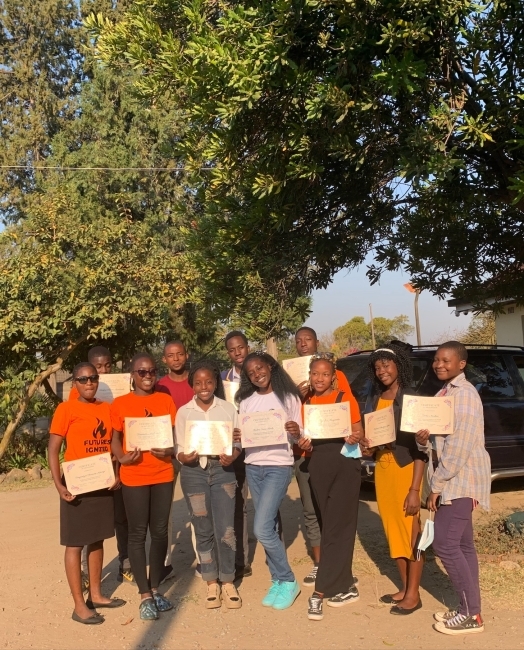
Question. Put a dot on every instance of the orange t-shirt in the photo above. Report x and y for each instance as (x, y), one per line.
(148, 470)
(343, 385)
(331, 399)
(86, 426)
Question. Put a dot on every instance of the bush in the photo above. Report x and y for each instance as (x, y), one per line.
(25, 450)
(492, 538)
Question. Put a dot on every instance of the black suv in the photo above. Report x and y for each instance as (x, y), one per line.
(497, 372)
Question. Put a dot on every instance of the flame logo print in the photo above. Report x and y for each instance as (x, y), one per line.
(148, 413)
(100, 430)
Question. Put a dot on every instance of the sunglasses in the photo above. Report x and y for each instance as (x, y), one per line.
(91, 378)
(142, 372)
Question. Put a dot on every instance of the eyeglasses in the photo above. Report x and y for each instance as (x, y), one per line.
(91, 378)
(143, 372)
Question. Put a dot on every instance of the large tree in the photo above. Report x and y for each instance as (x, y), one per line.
(322, 130)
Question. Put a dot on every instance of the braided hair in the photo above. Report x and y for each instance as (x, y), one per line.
(281, 383)
(395, 351)
(212, 367)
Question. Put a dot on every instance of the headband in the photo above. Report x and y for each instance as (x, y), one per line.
(385, 350)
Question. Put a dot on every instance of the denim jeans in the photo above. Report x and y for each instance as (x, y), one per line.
(210, 497)
(268, 486)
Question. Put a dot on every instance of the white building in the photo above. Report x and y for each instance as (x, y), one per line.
(509, 324)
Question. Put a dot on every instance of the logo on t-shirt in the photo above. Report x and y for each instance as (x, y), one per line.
(148, 413)
(100, 430)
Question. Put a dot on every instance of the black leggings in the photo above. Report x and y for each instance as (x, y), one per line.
(147, 506)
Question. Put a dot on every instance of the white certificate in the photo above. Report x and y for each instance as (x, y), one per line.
(433, 413)
(149, 433)
(112, 386)
(263, 428)
(209, 438)
(298, 368)
(88, 474)
(327, 420)
(380, 426)
(230, 389)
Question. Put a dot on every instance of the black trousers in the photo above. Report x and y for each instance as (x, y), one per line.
(335, 480)
(147, 506)
(121, 528)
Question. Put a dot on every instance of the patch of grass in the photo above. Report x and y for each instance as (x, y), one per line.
(491, 537)
(26, 485)
(500, 587)
(300, 561)
(190, 598)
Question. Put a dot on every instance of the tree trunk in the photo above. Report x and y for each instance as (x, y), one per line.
(31, 390)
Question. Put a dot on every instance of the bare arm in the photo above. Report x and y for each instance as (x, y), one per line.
(55, 443)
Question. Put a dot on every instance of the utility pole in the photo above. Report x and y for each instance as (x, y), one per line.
(372, 327)
(416, 291)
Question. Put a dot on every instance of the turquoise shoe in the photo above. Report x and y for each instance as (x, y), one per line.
(287, 594)
(161, 602)
(269, 598)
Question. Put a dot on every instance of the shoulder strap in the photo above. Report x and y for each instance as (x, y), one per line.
(339, 397)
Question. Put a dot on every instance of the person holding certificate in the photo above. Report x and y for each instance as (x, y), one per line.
(266, 387)
(237, 348)
(460, 482)
(209, 483)
(101, 358)
(398, 473)
(335, 480)
(88, 518)
(147, 477)
(306, 343)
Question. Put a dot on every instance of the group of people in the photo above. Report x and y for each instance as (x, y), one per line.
(456, 467)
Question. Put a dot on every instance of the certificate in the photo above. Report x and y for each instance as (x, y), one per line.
(298, 368)
(380, 427)
(230, 389)
(433, 413)
(111, 386)
(263, 428)
(88, 474)
(209, 438)
(327, 420)
(149, 433)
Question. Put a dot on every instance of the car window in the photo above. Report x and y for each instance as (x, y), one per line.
(519, 362)
(420, 367)
(353, 366)
(490, 376)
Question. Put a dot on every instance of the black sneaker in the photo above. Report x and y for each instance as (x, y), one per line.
(85, 582)
(442, 617)
(461, 624)
(314, 610)
(243, 571)
(310, 579)
(167, 574)
(344, 599)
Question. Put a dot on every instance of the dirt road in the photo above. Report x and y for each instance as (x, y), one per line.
(35, 605)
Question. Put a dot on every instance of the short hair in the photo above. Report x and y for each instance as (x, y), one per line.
(308, 329)
(458, 348)
(142, 355)
(174, 343)
(98, 351)
(398, 352)
(233, 334)
(83, 364)
(212, 366)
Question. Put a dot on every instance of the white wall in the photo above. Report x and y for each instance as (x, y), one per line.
(509, 326)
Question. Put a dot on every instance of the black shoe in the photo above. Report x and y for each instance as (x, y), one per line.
(387, 599)
(461, 624)
(167, 574)
(314, 611)
(243, 571)
(85, 583)
(344, 599)
(403, 611)
(125, 574)
(310, 579)
(95, 619)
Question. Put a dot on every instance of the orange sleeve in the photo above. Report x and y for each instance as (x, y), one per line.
(60, 422)
(343, 385)
(117, 421)
(74, 394)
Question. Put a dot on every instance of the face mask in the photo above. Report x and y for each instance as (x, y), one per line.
(426, 539)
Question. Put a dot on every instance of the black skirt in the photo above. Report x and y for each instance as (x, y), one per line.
(87, 519)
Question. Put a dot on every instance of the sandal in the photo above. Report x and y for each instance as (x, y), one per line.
(213, 599)
(94, 619)
(231, 597)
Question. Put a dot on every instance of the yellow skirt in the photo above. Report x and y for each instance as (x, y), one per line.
(392, 484)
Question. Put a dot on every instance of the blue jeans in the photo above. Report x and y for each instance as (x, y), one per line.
(210, 497)
(268, 486)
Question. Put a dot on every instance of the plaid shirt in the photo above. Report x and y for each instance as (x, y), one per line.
(464, 467)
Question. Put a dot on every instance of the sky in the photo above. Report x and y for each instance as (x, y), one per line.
(350, 294)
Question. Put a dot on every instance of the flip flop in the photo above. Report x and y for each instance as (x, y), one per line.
(115, 602)
(94, 619)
